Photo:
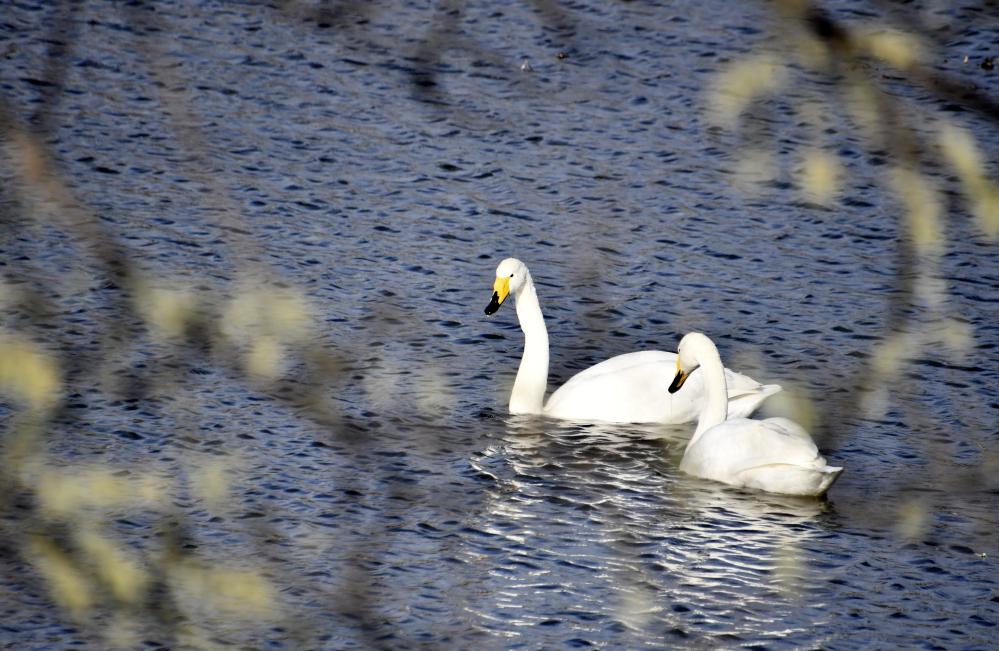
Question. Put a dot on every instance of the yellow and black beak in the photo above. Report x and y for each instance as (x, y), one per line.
(678, 381)
(501, 289)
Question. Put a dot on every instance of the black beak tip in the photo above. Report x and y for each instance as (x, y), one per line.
(677, 383)
(494, 304)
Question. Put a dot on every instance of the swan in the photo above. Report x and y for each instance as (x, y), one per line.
(624, 389)
(775, 455)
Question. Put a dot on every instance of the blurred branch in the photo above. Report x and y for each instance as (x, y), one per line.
(846, 47)
(261, 334)
(852, 60)
(62, 38)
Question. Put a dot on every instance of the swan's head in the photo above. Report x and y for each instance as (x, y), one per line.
(693, 347)
(511, 275)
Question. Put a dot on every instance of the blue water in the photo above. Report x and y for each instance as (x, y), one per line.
(227, 140)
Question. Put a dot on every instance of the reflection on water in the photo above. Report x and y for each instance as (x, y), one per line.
(423, 516)
(639, 549)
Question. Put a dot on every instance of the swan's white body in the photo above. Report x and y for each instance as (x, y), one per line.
(629, 388)
(774, 455)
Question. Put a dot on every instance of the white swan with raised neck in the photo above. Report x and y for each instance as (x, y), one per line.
(628, 388)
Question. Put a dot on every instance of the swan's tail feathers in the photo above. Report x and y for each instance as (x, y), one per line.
(829, 476)
(744, 404)
(806, 480)
(767, 390)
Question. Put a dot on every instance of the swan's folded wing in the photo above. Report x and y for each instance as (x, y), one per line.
(628, 388)
(738, 385)
(738, 445)
(631, 388)
(622, 365)
(746, 394)
(781, 441)
(790, 429)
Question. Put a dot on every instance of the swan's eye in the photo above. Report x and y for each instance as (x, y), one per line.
(511, 275)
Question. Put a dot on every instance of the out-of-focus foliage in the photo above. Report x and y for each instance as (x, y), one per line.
(742, 83)
(982, 194)
(263, 332)
(28, 375)
(820, 176)
(854, 58)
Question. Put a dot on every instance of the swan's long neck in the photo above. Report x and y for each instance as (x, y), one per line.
(715, 408)
(528, 393)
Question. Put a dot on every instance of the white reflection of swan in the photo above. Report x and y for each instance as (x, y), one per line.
(595, 519)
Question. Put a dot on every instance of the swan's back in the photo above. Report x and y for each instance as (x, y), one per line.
(776, 455)
(621, 364)
(629, 388)
(632, 388)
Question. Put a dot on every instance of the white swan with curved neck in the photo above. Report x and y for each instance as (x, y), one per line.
(624, 389)
(775, 455)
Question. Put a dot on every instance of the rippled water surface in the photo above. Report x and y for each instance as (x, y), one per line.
(387, 184)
